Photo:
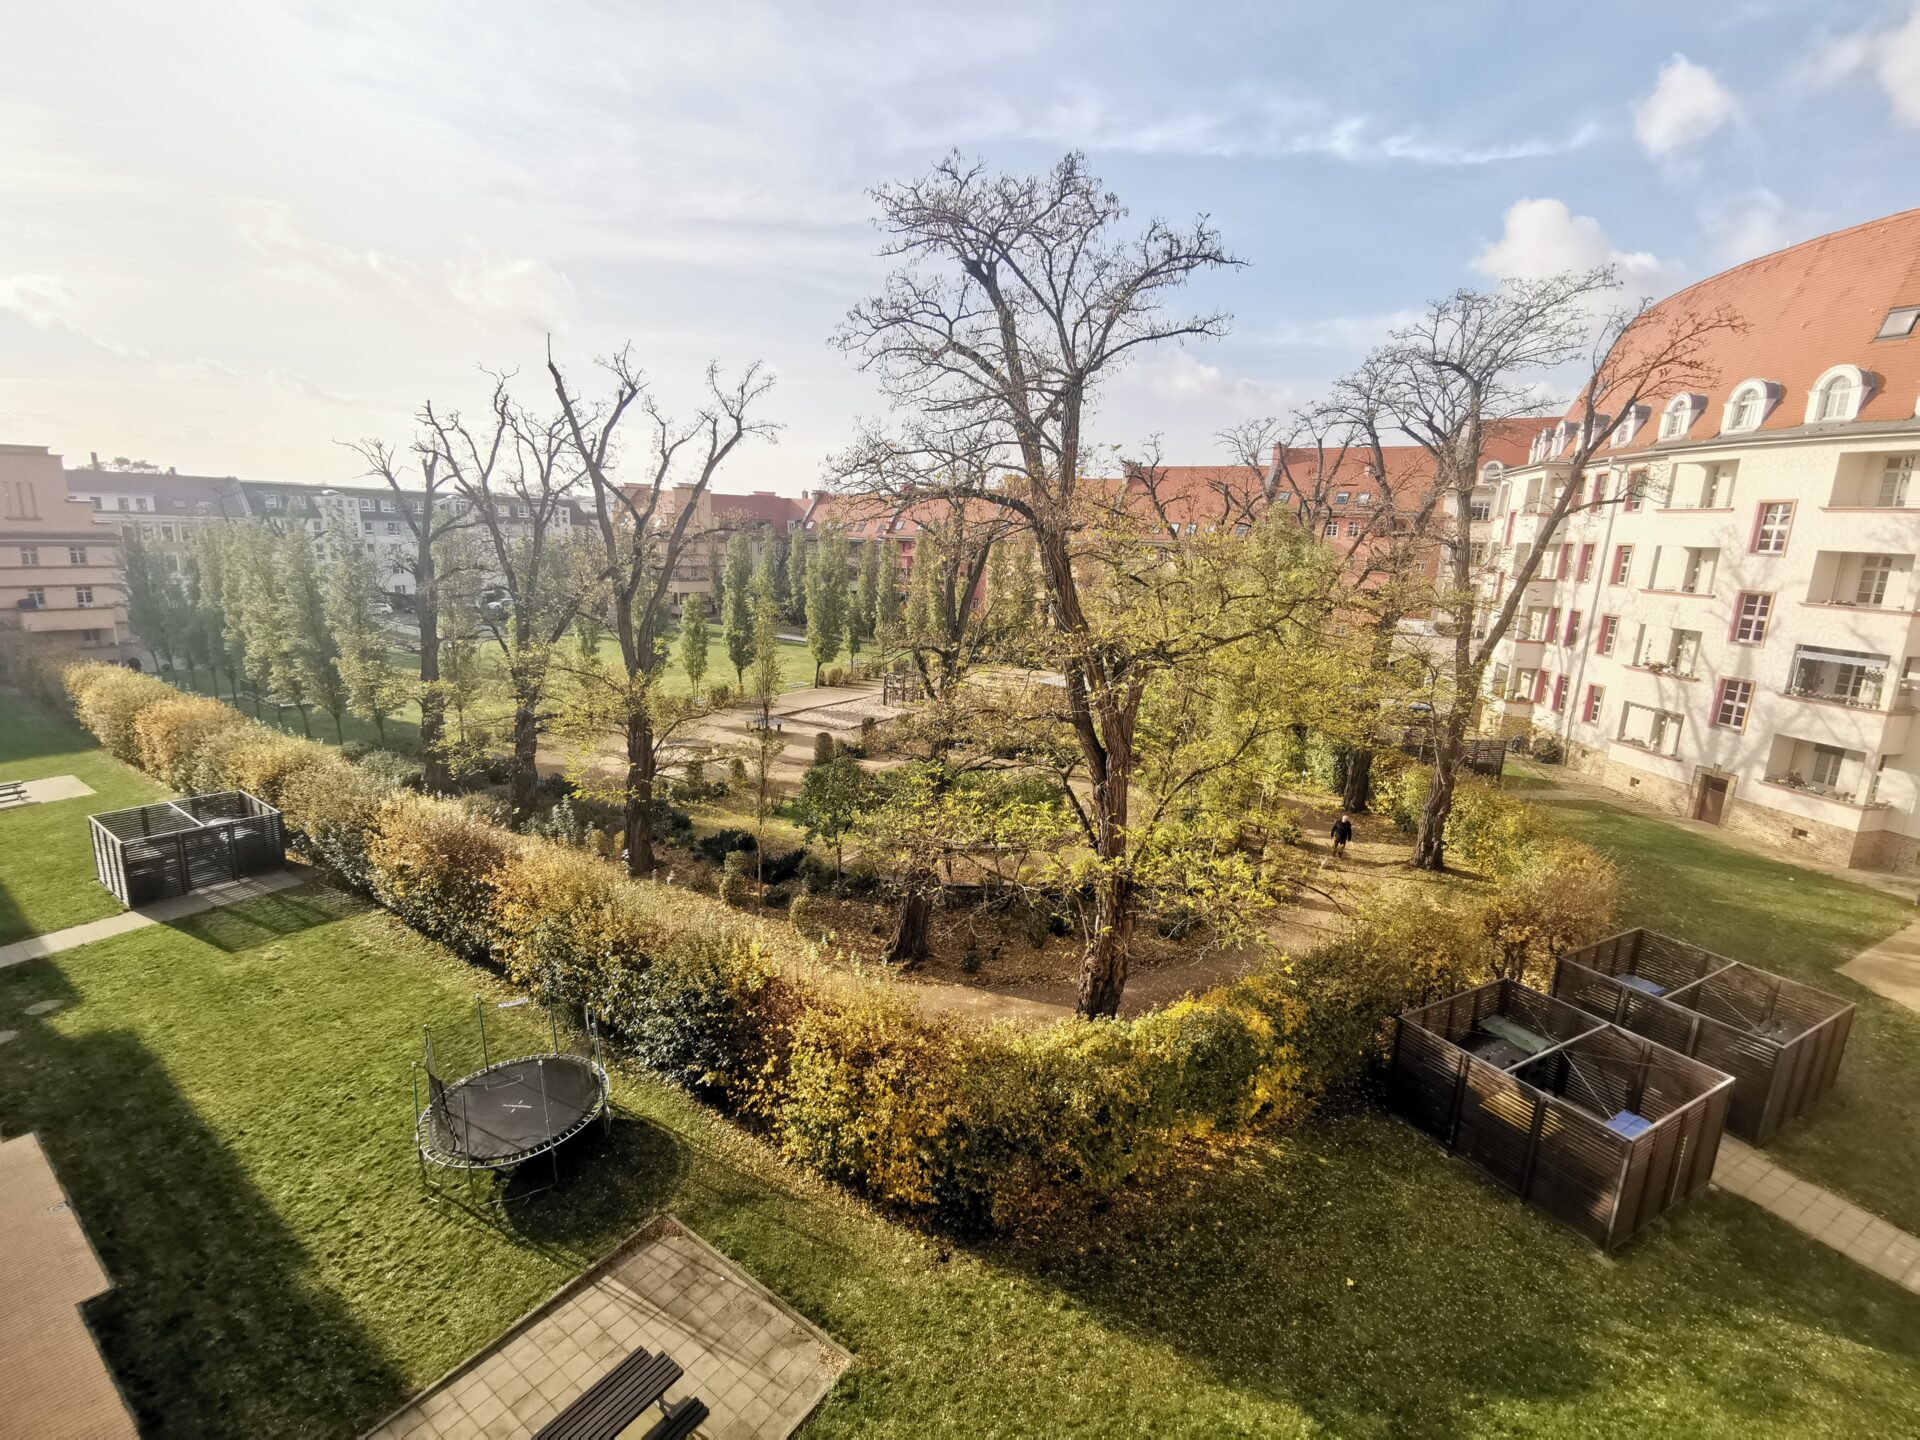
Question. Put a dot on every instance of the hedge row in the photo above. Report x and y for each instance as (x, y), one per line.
(976, 1129)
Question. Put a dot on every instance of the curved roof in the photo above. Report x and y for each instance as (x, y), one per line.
(1809, 308)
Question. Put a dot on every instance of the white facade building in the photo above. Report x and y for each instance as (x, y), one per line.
(1735, 634)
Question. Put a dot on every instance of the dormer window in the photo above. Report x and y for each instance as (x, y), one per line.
(1679, 416)
(1837, 396)
(1628, 426)
(1748, 406)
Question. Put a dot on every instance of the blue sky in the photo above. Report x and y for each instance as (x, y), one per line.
(234, 234)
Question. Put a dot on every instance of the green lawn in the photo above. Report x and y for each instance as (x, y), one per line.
(228, 1102)
(46, 856)
(1864, 1139)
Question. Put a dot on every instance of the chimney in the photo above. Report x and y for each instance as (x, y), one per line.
(93, 459)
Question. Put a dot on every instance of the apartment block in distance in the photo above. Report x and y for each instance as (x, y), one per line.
(1735, 635)
(60, 574)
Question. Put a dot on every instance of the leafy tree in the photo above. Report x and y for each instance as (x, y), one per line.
(766, 681)
(154, 609)
(313, 628)
(831, 795)
(737, 619)
(826, 598)
(693, 643)
(864, 616)
(793, 557)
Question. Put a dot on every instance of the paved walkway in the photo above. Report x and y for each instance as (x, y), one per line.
(760, 1368)
(1891, 968)
(42, 792)
(1860, 1236)
(161, 912)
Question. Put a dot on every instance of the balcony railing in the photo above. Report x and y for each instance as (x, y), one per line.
(1794, 780)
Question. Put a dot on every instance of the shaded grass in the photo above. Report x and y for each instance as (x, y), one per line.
(1864, 1138)
(46, 856)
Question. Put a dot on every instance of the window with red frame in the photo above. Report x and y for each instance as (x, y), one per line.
(1771, 526)
(1751, 613)
(1622, 564)
(1634, 492)
(1559, 693)
(1565, 568)
(1604, 637)
(1591, 712)
(1730, 712)
(1539, 685)
(1572, 637)
(1586, 561)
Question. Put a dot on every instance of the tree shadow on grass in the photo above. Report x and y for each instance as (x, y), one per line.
(248, 923)
(1357, 1274)
(212, 1328)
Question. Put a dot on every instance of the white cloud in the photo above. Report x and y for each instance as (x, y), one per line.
(1747, 225)
(1543, 237)
(483, 278)
(1180, 376)
(49, 305)
(1687, 105)
(1892, 57)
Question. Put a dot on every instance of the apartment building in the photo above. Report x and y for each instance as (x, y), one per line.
(1734, 633)
(60, 574)
(717, 518)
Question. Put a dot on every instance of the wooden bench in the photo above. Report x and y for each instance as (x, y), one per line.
(678, 1420)
(618, 1398)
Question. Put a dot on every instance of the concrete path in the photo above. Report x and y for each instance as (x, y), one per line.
(1839, 1223)
(40, 792)
(1891, 968)
(760, 1367)
(162, 912)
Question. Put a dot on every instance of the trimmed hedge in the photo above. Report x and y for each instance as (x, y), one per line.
(975, 1129)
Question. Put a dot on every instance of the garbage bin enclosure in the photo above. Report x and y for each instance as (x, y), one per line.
(1601, 1128)
(1780, 1040)
(155, 851)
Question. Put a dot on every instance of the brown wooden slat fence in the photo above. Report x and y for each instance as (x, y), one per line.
(151, 852)
(1780, 1040)
(1538, 1123)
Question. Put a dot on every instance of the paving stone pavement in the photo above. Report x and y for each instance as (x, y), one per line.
(760, 1367)
(161, 912)
(1858, 1234)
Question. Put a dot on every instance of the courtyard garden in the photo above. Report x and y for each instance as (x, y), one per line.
(228, 1101)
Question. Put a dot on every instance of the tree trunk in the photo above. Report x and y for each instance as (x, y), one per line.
(639, 817)
(1357, 794)
(1103, 971)
(907, 946)
(1430, 841)
(436, 774)
(526, 752)
(339, 731)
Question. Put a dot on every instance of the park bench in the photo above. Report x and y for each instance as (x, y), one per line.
(623, 1395)
(13, 792)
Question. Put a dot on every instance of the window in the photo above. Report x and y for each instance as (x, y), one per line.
(366, 503)
(272, 502)
(1875, 572)
(1716, 486)
(1353, 528)
(1572, 635)
(1827, 760)
(1770, 530)
(1836, 399)
(1894, 481)
(1539, 686)
(1333, 528)
(1899, 323)
(392, 528)
(1746, 408)
(1677, 418)
(522, 511)
(29, 554)
(76, 554)
(1629, 425)
(1751, 613)
(1590, 713)
(1730, 712)
(1609, 630)
(141, 503)
(1365, 498)
(1559, 693)
(36, 598)
(83, 596)
(386, 507)
(1340, 497)
(1633, 492)
(1563, 567)
(1586, 562)
(1622, 564)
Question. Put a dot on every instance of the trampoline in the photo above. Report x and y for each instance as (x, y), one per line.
(508, 1111)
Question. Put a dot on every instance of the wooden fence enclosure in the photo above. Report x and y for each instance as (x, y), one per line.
(155, 851)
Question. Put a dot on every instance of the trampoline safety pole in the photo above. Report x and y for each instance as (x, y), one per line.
(480, 1013)
(546, 1118)
(418, 1154)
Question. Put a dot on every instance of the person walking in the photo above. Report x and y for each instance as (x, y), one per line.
(1342, 832)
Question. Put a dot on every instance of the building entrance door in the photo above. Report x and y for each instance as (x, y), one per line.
(1713, 799)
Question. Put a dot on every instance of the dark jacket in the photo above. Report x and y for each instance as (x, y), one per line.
(1342, 831)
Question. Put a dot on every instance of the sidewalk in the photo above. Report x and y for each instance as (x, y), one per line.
(1891, 968)
(1835, 1222)
(162, 912)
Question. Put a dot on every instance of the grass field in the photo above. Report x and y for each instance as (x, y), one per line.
(46, 856)
(1864, 1140)
(795, 660)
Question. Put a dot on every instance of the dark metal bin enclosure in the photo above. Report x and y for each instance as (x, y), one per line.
(1780, 1040)
(1597, 1126)
(153, 851)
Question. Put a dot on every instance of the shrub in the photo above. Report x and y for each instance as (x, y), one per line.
(722, 843)
(109, 698)
(1490, 830)
(709, 1013)
(252, 757)
(822, 748)
(1560, 897)
(564, 920)
(169, 735)
(737, 880)
(806, 914)
(433, 863)
(330, 809)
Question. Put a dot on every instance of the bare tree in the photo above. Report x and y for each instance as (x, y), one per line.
(638, 546)
(515, 473)
(430, 516)
(1476, 359)
(1016, 298)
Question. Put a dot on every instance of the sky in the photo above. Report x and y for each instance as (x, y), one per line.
(235, 236)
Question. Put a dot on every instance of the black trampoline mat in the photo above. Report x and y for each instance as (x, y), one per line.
(515, 1108)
